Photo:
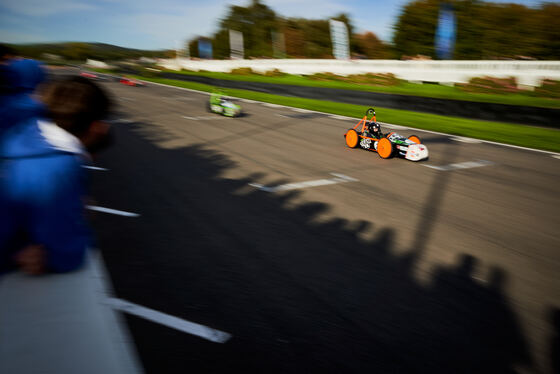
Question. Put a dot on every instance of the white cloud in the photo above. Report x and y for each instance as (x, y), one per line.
(41, 8)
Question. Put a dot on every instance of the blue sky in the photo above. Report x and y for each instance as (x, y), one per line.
(161, 24)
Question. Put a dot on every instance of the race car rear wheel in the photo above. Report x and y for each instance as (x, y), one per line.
(415, 139)
(352, 138)
(384, 148)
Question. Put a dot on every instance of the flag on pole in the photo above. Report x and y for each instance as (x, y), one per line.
(339, 37)
(445, 33)
(236, 45)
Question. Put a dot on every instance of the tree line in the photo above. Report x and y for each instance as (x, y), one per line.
(484, 30)
(79, 51)
(303, 38)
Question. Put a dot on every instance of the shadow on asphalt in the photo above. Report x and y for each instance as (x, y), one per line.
(555, 341)
(298, 294)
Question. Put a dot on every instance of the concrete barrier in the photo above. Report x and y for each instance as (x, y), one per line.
(529, 74)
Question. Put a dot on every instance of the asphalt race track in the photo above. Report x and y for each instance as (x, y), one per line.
(388, 266)
(448, 107)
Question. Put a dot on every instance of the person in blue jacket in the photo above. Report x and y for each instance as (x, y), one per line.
(43, 184)
(19, 80)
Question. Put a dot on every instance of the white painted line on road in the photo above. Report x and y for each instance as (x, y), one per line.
(340, 178)
(200, 118)
(466, 140)
(122, 343)
(121, 120)
(335, 116)
(192, 328)
(344, 178)
(461, 165)
(302, 110)
(274, 105)
(383, 123)
(394, 127)
(556, 156)
(248, 101)
(94, 168)
(111, 211)
(182, 98)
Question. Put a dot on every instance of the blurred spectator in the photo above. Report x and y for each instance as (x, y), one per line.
(42, 182)
(20, 78)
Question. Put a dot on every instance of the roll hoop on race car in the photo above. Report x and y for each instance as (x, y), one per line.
(370, 137)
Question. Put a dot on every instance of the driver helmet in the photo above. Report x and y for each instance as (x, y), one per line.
(374, 127)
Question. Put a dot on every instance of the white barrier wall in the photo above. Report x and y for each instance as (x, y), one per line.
(528, 73)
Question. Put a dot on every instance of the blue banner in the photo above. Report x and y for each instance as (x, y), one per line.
(445, 33)
(204, 48)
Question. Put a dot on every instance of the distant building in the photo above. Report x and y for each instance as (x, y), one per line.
(96, 64)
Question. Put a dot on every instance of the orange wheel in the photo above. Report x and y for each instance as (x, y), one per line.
(415, 139)
(384, 148)
(352, 138)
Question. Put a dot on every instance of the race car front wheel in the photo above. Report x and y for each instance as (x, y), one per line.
(384, 148)
(352, 138)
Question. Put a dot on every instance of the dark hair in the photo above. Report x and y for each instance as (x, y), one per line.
(74, 103)
(6, 52)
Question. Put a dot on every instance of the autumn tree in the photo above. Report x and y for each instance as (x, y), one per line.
(368, 45)
(484, 30)
(256, 22)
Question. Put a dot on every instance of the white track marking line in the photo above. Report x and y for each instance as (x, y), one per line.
(340, 178)
(94, 168)
(383, 123)
(182, 98)
(461, 165)
(200, 118)
(394, 127)
(192, 328)
(466, 140)
(302, 110)
(335, 116)
(556, 156)
(248, 101)
(345, 178)
(121, 120)
(128, 356)
(274, 105)
(111, 211)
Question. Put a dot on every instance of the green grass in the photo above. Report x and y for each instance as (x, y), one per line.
(525, 136)
(404, 88)
(100, 70)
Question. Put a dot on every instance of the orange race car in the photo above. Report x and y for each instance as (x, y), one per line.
(369, 136)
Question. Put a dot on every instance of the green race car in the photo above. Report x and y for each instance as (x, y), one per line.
(222, 106)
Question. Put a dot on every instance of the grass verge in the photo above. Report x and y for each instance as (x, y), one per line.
(403, 88)
(525, 136)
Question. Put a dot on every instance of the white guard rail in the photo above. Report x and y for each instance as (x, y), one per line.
(528, 73)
